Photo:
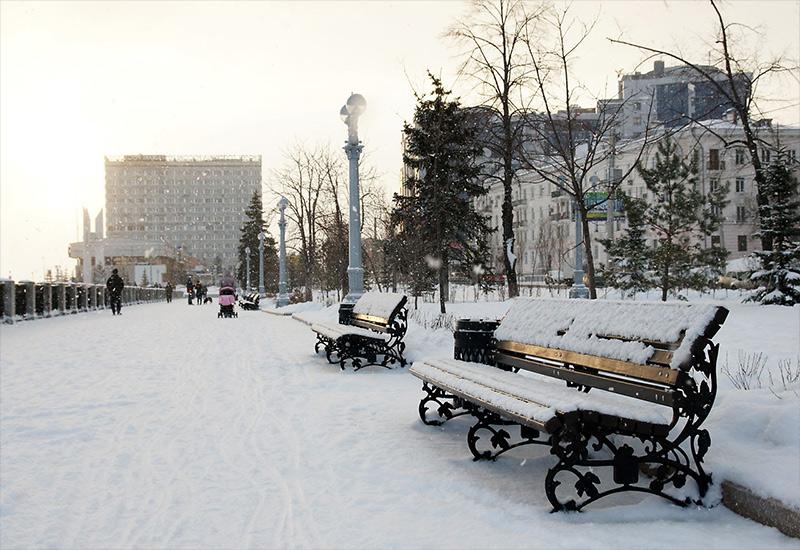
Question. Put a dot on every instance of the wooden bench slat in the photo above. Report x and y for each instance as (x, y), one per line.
(369, 325)
(546, 399)
(653, 394)
(663, 375)
(669, 346)
(380, 321)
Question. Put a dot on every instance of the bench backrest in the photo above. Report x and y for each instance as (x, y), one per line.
(377, 310)
(637, 349)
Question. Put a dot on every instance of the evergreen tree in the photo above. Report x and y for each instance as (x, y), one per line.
(441, 147)
(402, 250)
(678, 217)
(253, 225)
(779, 276)
(628, 256)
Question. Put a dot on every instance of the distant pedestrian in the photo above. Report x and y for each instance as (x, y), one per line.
(198, 293)
(115, 285)
(168, 291)
(190, 290)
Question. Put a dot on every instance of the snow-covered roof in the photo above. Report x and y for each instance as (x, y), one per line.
(594, 327)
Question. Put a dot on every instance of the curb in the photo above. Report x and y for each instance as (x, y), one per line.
(294, 316)
(767, 511)
(273, 312)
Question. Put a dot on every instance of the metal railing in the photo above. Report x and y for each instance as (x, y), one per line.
(27, 300)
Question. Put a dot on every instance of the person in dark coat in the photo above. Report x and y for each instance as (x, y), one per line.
(115, 284)
(198, 293)
(168, 291)
(190, 290)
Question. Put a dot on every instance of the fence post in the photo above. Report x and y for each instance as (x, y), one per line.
(73, 298)
(61, 292)
(93, 297)
(9, 301)
(101, 297)
(83, 297)
(47, 299)
(30, 299)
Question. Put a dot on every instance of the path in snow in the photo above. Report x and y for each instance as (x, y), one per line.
(169, 428)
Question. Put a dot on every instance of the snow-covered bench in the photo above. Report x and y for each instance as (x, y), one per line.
(650, 366)
(371, 334)
(250, 301)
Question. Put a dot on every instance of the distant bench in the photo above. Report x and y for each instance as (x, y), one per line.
(651, 366)
(369, 334)
(250, 301)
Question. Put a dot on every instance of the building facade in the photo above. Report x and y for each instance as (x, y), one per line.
(673, 96)
(194, 206)
(544, 223)
(185, 211)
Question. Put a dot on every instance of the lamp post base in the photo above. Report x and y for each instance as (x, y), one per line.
(282, 300)
(579, 291)
(355, 279)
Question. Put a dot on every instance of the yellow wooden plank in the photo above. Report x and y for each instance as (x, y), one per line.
(664, 375)
(370, 318)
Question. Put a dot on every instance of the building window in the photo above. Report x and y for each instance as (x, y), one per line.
(637, 106)
(741, 214)
(714, 240)
(713, 159)
(766, 155)
(740, 185)
(742, 242)
(739, 157)
(714, 184)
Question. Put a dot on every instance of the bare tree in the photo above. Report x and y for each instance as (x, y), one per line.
(739, 85)
(570, 144)
(495, 59)
(332, 221)
(302, 183)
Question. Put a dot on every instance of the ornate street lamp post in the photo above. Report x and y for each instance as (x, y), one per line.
(355, 106)
(578, 289)
(283, 297)
(247, 265)
(261, 237)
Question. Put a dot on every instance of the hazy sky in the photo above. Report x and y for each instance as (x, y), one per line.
(82, 80)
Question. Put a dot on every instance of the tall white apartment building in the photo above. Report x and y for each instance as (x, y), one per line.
(544, 225)
(191, 206)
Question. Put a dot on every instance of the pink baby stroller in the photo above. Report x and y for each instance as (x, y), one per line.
(227, 297)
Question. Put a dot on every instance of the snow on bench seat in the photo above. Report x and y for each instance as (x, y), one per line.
(594, 327)
(533, 399)
(378, 304)
(335, 331)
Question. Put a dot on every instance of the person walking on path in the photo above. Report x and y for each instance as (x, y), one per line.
(168, 291)
(115, 284)
(190, 290)
(198, 293)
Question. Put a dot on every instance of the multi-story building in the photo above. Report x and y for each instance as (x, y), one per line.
(185, 208)
(544, 223)
(194, 205)
(673, 96)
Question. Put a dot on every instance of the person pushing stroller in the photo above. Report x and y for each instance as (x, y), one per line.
(227, 297)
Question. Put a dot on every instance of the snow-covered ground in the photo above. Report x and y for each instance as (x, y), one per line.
(169, 428)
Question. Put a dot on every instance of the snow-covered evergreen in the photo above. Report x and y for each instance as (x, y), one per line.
(779, 276)
(677, 219)
(438, 215)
